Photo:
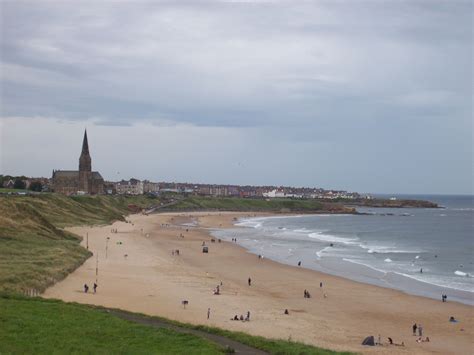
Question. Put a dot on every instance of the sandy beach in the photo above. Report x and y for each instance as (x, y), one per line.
(137, 271)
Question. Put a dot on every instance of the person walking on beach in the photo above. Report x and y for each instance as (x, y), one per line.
(321, 284)
(250, 281)
(420, 330)
(208, 313)
(95, 287)
(414, 328)
(248, 316)
(86, 288)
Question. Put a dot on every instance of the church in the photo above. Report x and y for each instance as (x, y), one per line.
(83, 181)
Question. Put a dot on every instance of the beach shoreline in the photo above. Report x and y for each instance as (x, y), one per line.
(278, 246)
(137, 271)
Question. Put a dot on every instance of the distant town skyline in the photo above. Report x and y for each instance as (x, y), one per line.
(373, 97)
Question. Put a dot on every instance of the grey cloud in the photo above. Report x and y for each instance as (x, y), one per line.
(309, 75)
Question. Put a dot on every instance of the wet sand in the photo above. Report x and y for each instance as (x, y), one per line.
(140, 274)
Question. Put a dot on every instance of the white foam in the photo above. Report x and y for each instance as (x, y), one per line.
(436, 283)
(302, 230)
(331, 238)
(388, 260)
(460, 273)
(387, 250)
(320, 253)
(363, 264)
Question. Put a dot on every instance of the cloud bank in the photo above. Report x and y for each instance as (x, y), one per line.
(363, 95)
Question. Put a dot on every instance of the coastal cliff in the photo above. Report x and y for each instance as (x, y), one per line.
(387, 203)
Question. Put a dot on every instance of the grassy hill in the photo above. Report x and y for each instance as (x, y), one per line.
(196, 203)
(34, 251)
(42, 326)
(35, 326)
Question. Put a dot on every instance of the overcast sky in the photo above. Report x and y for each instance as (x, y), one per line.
(368, 96)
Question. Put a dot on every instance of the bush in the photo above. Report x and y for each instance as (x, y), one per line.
(19, 184)
(36, 186)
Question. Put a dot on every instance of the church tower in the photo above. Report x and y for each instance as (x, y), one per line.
(85, 166)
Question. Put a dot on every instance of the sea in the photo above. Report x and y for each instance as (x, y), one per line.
(421, 251)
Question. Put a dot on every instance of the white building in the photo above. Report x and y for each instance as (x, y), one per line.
(274, 193)
(149, 186)
(131, 187)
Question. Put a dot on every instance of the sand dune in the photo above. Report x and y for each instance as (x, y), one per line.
(141, 274)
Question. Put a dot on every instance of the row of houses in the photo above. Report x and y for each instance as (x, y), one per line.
(132, 187)
(137, 187)
(22, 182)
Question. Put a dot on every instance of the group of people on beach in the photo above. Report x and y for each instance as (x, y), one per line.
(86, 288)
(419, 328)
(246, 319)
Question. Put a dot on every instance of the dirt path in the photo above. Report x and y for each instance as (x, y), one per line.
(239, 348)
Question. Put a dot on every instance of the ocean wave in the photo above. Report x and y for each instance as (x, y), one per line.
(438, 282)
(331, 238)
(371, 249)
(302, 230)
(364, 264)
(388, 260)
(320, 253)
(461, 273)
(249, 223)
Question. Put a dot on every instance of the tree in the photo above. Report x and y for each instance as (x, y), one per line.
(19, 184)
(36, 186)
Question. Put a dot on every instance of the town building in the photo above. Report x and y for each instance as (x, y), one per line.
(131, 187)
(151, 187)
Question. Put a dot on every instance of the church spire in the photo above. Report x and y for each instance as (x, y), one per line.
(85, 163)
(85, 144)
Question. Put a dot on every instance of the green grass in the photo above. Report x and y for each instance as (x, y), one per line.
(256, 205)
(272, 346)
(34, 251)
(5, 190)
(35, 326)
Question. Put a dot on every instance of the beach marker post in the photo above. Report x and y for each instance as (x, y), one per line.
(97, 268)
(87, 240)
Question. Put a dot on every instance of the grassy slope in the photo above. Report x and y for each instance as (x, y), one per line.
(34, 253)
(39, 326)
(35, 326)
(272, 346)
(246, 204)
